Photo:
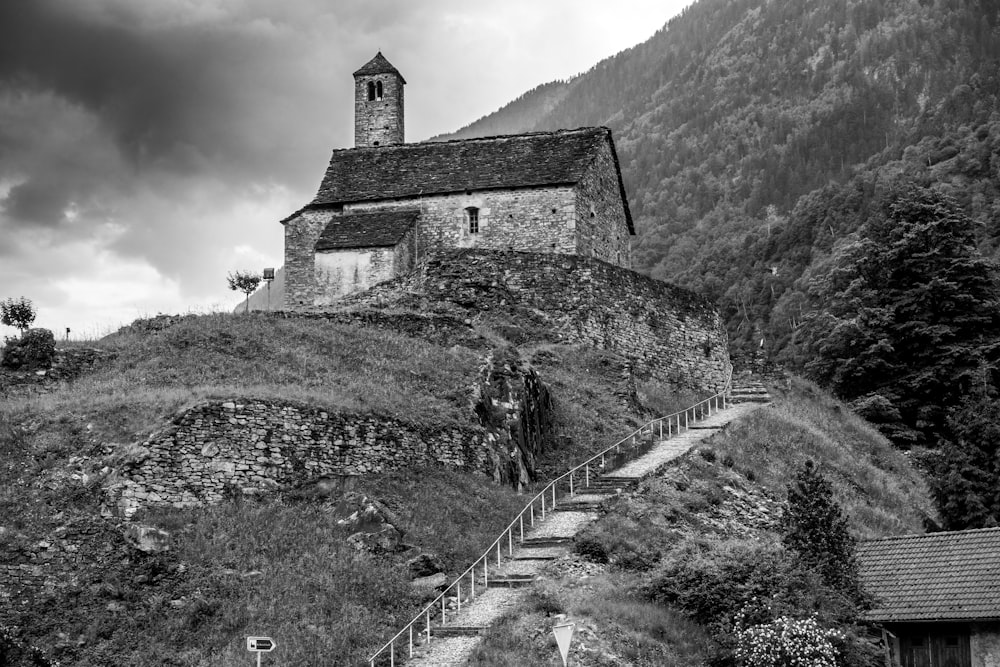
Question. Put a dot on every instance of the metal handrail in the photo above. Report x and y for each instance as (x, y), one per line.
(424, 615)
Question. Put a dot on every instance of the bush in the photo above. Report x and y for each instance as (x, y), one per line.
(34, 350)
(787, 642)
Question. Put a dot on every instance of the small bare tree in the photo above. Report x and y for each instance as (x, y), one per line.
(244, 281)
(19, 312)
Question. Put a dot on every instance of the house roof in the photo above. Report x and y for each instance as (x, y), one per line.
(378, 65)
(441, 167)
(366, 230)
(935, 577)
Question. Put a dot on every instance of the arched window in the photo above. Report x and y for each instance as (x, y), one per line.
(378, 90)
(472, 215)
(371, 91)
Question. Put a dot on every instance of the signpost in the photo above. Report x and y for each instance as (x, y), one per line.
(260, 645)
(564, 634)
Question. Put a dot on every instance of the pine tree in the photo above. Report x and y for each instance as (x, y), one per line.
(815, 530)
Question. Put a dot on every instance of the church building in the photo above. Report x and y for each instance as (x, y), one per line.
(384, 205)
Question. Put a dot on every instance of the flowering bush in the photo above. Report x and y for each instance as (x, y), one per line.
(787, 642)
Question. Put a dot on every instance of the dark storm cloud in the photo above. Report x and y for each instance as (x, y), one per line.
(175, 97)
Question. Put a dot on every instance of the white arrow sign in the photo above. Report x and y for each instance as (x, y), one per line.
(564, 634)
(260, 644)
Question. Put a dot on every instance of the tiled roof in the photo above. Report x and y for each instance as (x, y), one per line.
(366, 230)
(442, 167)
(378, 65)
(939, 576)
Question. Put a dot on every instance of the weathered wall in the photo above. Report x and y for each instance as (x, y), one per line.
(252, 446)
(345, 271)
(985, 645)
(379, 122)
(672, 334)
(601, 226)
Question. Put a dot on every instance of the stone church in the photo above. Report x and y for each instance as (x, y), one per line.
(384, 205)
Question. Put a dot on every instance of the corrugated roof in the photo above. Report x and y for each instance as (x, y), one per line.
(934, 577)
(442, 167)
(366, 230)
(378, 65)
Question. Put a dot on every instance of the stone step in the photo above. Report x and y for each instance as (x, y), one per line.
(458, 630)
(511, 581)
(577, 507)
(531, 556)
(545, 542)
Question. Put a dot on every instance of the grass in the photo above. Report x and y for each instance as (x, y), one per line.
(273, 566)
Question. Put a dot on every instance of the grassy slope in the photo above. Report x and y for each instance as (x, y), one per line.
(271, 566)
(716, 501)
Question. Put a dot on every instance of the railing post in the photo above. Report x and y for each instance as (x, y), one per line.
(685, 419)
(586, 473)
(571, 485)
(428, 627)
(411, 641)
(498, 552)
(520, 519)
(444, 617)
(392, 654)
(486, 576)
(458, 596)
(510, 541)
(531, 515)
(472, 582)
(543, 505)
(553, 496)
(661, 429)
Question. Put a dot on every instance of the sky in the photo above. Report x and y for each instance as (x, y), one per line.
(147, 149)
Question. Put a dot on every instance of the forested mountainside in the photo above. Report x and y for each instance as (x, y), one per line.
(728, 116)
(829, 172)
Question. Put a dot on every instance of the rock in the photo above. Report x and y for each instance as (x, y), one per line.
(147, 539)
(432, 583)
(424, 565)
(386, 540)
(210, 449)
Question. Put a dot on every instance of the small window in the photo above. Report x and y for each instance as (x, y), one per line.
(472, 215)
(371, 91)
(378, 90)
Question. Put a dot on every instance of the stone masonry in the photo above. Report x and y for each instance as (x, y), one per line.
(253, 446)
(669, 333)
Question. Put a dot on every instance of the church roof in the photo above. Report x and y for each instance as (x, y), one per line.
(366, 230)
(935, 577)
(400, 171)
(378, 65)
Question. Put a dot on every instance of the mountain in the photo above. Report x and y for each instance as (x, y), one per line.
(738, 115)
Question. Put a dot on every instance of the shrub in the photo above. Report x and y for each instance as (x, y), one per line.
(787, 642)
(35, 349)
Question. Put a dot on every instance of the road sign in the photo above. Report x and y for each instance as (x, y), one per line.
(260, 644)
(564, 634)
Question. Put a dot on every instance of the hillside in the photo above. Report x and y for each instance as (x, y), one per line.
(735, 112)
(281, 563)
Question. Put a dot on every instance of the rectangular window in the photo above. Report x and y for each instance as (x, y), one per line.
(473, 214)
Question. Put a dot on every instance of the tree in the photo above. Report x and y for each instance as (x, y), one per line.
(907, 310)
(815, 530)
(244, 281)
(18, 313)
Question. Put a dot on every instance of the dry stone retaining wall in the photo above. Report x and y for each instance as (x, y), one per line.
(670, 333)
(252, 446)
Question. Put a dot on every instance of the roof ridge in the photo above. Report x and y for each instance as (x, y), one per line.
(539, 133)
(941, 533)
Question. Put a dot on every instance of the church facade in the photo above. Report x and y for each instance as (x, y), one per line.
(385, 204)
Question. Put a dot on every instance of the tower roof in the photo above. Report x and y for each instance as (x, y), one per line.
(378, 65)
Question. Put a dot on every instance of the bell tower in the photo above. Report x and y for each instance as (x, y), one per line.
(378, 104)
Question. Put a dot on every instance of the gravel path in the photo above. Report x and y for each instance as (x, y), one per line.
(562, 524)
(484, 610)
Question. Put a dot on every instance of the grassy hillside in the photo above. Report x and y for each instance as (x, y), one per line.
(280, 565)
(662, 573)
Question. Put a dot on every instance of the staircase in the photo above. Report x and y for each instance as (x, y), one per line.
(748, 390)
(446, 632)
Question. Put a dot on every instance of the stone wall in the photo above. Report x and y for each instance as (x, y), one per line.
(985, 645)
(601, 226)
(588, 220)
(252, 446)
(671, 334)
